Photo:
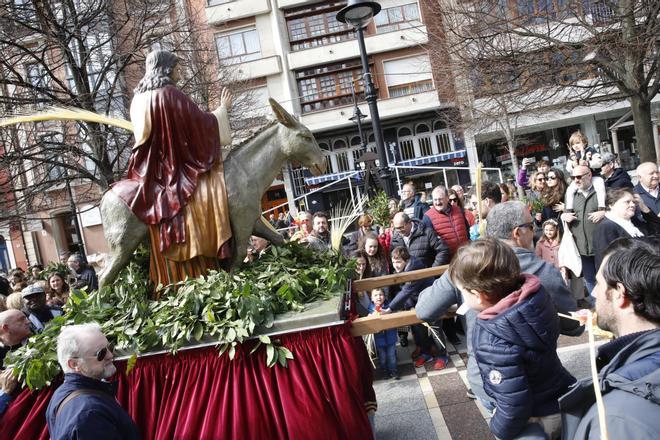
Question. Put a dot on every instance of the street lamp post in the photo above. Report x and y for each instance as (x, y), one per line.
(358, 14)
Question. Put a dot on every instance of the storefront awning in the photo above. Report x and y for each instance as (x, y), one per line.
(329, 177)
(432, 159)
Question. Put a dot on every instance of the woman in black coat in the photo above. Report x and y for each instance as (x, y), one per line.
(621, 221)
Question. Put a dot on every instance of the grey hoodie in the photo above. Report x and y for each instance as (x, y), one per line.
(630, 384)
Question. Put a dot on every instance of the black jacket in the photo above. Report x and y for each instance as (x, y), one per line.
(618, 179)
(424, 245)
(416, 204)
(607, 231)
(406, 298)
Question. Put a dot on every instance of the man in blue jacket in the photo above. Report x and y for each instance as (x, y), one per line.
(628, 304)
(84, 406)
(648, 187)
(512, 223)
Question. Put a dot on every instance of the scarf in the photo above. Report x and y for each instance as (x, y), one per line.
(627, 225)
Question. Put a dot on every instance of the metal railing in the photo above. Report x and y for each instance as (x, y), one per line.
(444, 171)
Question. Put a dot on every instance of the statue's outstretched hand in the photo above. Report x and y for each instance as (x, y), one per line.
(226, 98)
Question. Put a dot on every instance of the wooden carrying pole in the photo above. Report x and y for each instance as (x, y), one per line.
(377, 323)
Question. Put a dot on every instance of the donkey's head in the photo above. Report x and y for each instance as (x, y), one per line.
(298, 142)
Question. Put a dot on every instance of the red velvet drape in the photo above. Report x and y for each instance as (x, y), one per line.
(200, 395)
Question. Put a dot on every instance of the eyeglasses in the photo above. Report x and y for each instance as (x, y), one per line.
(580, 176)
(529, 225)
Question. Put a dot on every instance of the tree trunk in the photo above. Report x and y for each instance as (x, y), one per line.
(641, 111)
(511, 145)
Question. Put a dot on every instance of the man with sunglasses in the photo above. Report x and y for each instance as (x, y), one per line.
(582, 221)
(84, 406)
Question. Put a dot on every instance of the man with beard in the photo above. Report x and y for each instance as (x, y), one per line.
(84, 406)
(37, 306)
(319, 239)
(628, 304)
(512, 223)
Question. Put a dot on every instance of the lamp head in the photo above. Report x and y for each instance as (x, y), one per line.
(358, 13)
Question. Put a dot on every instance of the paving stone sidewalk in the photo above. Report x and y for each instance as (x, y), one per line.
(426, 404)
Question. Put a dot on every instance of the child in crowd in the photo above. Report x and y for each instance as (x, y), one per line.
(362, 269)
(385, 340)
(514, 339)
(406, 299)
(547, 247)
(578, 144)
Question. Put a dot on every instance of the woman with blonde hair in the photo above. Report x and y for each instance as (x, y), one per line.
(15, 301)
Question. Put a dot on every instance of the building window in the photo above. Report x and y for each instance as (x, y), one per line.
(36, 77)
(218, 2)
(238, 47)
(316, 25)
(397, 18)
(407, 76)
(329, 86)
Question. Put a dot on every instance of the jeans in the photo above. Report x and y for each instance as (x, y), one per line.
(589, 272)
(387, 358)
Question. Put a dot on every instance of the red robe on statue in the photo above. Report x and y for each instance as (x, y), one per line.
(183, 142)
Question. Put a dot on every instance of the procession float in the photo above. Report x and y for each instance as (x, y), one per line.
(206, 347)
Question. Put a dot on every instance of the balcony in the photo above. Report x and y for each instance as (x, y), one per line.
(236, 10)
(378, 43)
(284, 4)
(258, 68)
(387, 108)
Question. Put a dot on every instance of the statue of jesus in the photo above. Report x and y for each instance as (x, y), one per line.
(175, 180)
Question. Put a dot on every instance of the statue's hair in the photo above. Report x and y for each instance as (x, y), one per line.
(159, 67)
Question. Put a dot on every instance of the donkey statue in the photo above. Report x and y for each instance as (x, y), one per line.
(249, 171)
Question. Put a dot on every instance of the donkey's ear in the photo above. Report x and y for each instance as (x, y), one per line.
(282, 115)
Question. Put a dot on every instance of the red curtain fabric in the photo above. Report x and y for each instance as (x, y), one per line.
(200, 395)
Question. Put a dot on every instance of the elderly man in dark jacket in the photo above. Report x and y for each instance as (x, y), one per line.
(85, 274)
(628, 304)
(510, 222)
(84, 406)
(614, 177)
(421, 242)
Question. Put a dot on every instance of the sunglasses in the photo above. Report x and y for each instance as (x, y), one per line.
(580, 176)
(540, 179)
(452, 200)
(103, 352)
(552, 177)
(529, 225)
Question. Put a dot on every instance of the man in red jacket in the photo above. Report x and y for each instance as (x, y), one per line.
(447, 220)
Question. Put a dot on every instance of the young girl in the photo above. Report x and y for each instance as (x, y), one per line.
(363, 300)
(547, 247)
(385, 340)
(514, 339)
(578, 144)
(375, 254)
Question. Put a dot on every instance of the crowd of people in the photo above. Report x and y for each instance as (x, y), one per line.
(510, 273)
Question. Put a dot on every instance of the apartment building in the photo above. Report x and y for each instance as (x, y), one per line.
(296, 52)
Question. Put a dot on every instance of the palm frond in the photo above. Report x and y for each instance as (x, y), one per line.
(67, 114)
(343, 215)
